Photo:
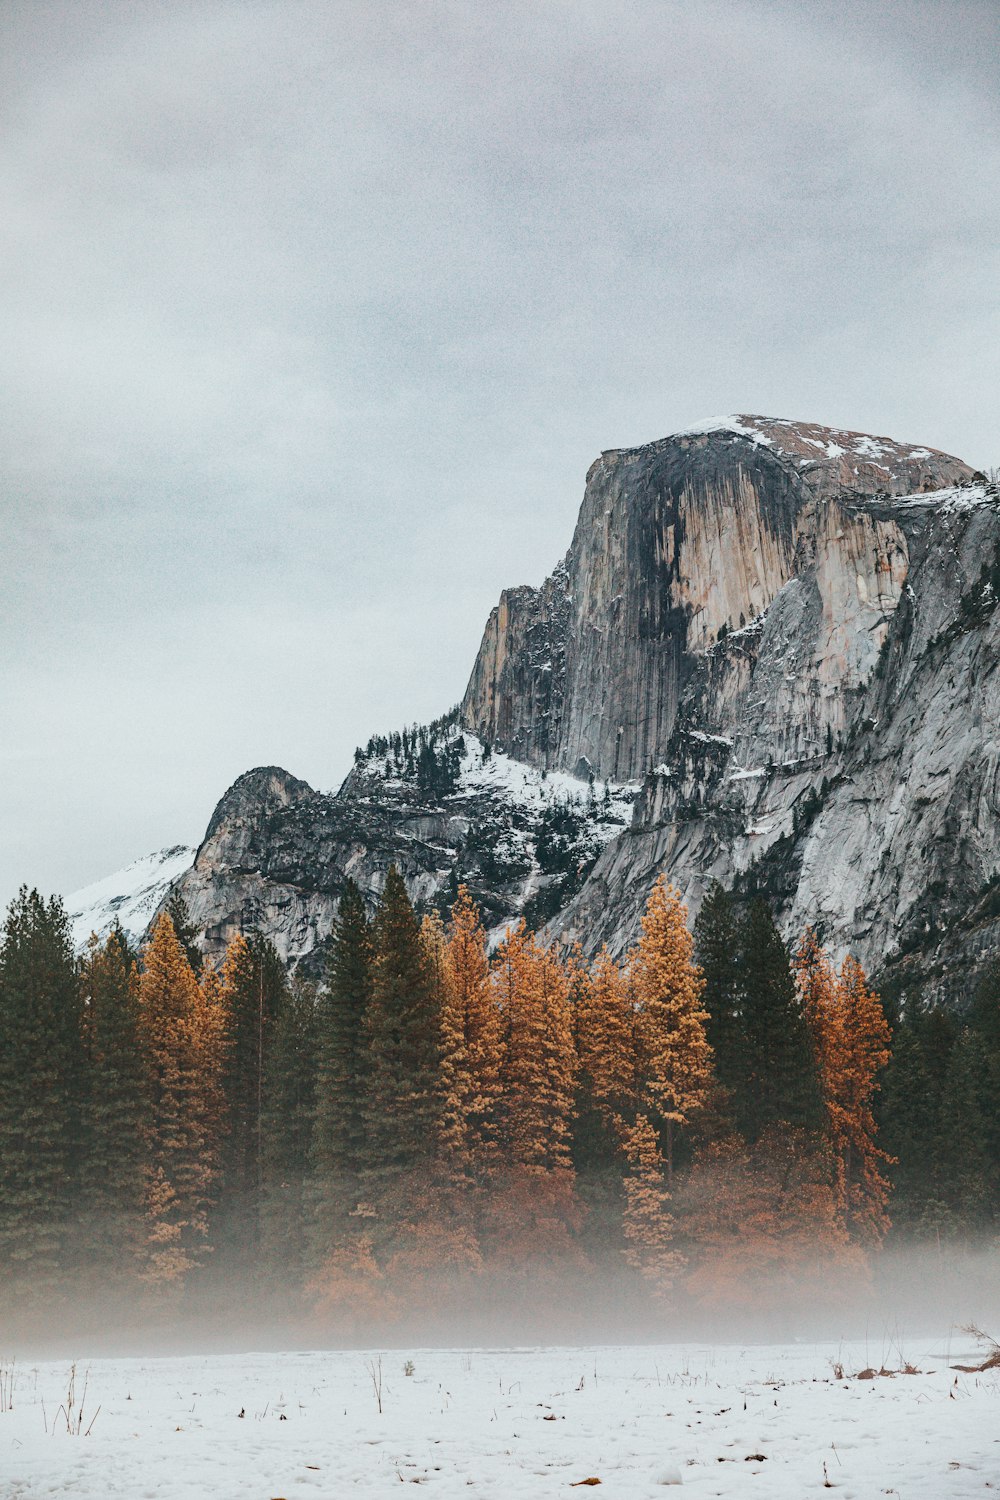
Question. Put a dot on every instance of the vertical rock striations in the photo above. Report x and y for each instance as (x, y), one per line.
(678, 544)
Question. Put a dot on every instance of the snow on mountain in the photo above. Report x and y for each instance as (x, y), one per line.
(130, 896)
(606, 805)
(951, 500)
(810, 442)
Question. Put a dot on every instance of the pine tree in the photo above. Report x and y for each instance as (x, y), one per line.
(605, 1039)
(115, 1123)
(478, 1041)
(185, 930)
(865, 1054)
(718, 942)
(911, 1114)
(339, 1141)
(180, 1033)
(453, 1081)
(605, 1100)
(288, 1116)
(647, 1224)
(539, 1063)
(776, 1079)
(212, 1053)
(985, 1022)
(129, 955)
(40, 1071)
(675, 1056)
(253, 994)
(403, 1109)
(851, 1040)
(961, 1165)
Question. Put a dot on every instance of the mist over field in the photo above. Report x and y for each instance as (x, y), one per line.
(908, 1296)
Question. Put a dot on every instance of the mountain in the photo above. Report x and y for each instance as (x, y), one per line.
(676, 542)
(131, 897)
(768, 657)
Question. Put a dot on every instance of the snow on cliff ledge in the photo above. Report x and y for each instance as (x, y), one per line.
(130, 896)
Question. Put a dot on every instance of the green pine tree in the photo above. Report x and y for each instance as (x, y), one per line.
(777, 1082)
(185, 930)
(40, 1087)
(289, 1103)
(717, 941)
(404, 1107)
(338, 1146)
(985, 1022)
(254, 995)
(908, 1122)
(962, 1167)
(115, 1111)
(911, 1116)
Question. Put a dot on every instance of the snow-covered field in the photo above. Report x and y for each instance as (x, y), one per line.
(767, 1421)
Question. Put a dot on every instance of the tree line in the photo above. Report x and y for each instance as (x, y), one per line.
(704, 1114)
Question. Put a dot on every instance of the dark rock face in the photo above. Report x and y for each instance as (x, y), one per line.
(784, 637)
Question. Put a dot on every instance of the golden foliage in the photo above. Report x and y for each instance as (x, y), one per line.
(674, 1055)
(178, 1029)
(475, 1024)
(605, 1025)
(539, 1063)
(648, 1226)
(763, 1220)
(851, 1038)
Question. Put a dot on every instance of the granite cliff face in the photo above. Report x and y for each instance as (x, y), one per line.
(769, 657)
(791, 634)
(678, 543)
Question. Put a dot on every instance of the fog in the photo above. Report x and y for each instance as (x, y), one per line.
(908, 1296)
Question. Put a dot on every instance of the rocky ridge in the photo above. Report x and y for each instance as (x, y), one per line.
(277, 853)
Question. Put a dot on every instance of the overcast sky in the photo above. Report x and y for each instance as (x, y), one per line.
(315, 314)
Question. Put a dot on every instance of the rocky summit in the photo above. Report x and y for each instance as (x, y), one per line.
(768, 658)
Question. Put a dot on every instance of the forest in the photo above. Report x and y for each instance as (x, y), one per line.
(709, 1117)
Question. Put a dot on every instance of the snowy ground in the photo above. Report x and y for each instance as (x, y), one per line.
(767, 1421)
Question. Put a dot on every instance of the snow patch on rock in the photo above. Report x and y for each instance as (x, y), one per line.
(130, 896)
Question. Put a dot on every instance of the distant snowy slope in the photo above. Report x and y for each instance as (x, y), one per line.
(132, 895)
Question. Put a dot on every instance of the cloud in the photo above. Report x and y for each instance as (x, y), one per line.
(316, 315)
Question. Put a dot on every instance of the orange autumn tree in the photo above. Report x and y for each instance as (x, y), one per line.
(851, 1037)
(647, 1223)
(179, 1030)
(660, 1001)
(604, 1027)
(451, 1135)
(532, 1203)
(608, 1124)
(212, 1030)
(763, 1221)
(675, 1059)
(475, 1021)
(539, 1064)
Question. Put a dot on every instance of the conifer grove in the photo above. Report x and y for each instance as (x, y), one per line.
(706, 1116)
